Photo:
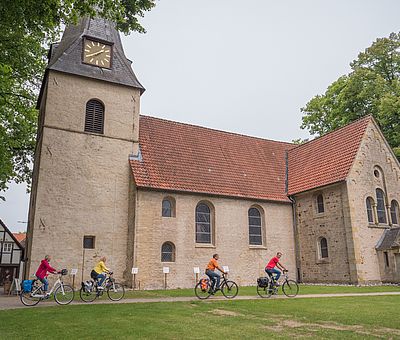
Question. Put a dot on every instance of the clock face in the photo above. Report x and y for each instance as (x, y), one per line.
(97, 53)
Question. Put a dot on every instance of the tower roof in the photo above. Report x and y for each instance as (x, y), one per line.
(66, 56)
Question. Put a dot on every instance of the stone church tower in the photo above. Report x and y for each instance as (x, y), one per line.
(88, 129)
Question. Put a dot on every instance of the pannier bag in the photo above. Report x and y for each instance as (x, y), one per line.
(87, 286)
(27, 285)
(204, 285)
(262, 282)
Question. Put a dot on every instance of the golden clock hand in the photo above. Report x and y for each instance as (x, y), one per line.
(95, 53)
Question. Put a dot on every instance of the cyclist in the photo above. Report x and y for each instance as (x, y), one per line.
(210, 272)
(97, 272)
(271, 270)
(42, 271)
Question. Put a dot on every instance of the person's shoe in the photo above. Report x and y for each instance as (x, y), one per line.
(217, 289)
(210, 291)
(100, 288)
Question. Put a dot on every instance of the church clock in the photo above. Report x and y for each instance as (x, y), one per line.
(97, 53)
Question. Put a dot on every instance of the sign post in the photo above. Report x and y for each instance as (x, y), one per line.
(226, 269)
(74, 271)
(166, 272)
(134, 272)
(196, 271)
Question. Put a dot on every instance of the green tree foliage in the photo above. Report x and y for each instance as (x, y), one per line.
(372, 88)
(26, 29)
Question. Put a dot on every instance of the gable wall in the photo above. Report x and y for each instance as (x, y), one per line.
(362, 183)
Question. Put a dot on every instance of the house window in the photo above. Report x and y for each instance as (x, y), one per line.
(94, 119)
(88, 242)
(323, 246)
(320, 204)
(386, 256)
(380, 206)
(370, 212)
(168, 252)
(394, 212)
(255, 232)
(7, 247)
(168, 207)
(203, 223)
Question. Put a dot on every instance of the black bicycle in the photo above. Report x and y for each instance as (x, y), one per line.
(90, 290)
(267, 286)
(203, 288)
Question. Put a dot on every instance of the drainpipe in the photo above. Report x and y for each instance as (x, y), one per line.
(294, 218)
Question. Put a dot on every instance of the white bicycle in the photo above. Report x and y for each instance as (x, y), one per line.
(63, 294)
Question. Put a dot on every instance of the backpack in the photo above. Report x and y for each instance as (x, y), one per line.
(87, 286)
(204, 284)
(27, 286)
(262, 282)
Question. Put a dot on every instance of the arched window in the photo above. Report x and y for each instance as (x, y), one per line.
(380, 206)
(394, 212)
(320, 204)
(94, 119)
(370, 213)
(323, 247)
(168, 252)
(255, 232)
(168, 207)
(203, 223)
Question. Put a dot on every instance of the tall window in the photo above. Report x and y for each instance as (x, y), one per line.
(166, 208)
(380, 206)
(168, 252)
(203, 223)
(320, 204)
(394, 212)
(94, 119)
(386, 256)
(323, 244)
(255, 232)
(370, 212)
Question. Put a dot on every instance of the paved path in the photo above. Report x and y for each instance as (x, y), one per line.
(13, 302)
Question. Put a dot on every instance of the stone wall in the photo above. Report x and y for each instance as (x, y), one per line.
(245, 262)
(331, 224)
(374, 155)
(83, 185)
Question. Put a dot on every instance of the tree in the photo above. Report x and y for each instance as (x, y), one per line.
(27, 27)
(372, 87)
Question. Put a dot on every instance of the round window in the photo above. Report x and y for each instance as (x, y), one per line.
(376, 173)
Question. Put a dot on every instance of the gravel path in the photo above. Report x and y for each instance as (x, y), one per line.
(13, 302)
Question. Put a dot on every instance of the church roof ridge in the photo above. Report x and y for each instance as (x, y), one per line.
(218, 130)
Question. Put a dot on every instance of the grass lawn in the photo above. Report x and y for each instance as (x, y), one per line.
(249, 291)
(367, 317)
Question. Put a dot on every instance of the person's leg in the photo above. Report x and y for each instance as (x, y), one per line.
(277, 272)
(101, 278)
(45, 284)
(213, 277)
(218, 277)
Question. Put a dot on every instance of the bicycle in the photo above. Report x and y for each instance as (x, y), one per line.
(266, 286)
(63, 293)
(90, 289)
(228, 288)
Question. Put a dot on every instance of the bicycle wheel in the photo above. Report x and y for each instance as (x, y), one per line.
(32, 298)
(64, 294)
(230, 289)
(115, 291)
(290, 288)
(264, 292)
(88, 296)
(202, 289)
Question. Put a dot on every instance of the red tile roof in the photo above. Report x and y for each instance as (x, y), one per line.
(20, 236)
(183, 157)
(327, 159)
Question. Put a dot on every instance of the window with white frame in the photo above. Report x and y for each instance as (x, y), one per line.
(7, 247)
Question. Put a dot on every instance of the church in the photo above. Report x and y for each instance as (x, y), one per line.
(151, 194)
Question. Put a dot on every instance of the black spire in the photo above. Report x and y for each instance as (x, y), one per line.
(66, 56)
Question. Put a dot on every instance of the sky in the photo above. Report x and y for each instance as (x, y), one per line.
(241, 66)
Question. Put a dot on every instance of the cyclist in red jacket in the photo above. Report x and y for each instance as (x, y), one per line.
(41, 273)
(271, 270)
